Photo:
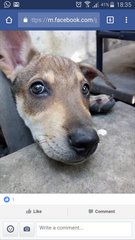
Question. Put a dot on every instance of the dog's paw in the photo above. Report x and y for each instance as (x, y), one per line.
(101, 103)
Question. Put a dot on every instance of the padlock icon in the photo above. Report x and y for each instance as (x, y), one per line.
(25, 19)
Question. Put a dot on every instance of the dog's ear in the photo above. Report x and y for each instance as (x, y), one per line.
(15, 50)
(91, 72)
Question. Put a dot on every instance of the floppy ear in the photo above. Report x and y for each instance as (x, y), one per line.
(15, 50)
(91, 72)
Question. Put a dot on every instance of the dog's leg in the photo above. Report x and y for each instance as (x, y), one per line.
(101, 103)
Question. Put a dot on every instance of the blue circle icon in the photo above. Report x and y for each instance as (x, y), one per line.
(6, 199)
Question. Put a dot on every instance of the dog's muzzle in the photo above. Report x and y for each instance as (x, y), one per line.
(83, 141)
(72, 150)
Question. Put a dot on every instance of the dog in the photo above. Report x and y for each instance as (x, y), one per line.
(52, 95)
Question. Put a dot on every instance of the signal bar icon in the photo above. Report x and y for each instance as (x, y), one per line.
(96, 5)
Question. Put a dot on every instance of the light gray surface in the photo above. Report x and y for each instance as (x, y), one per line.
(111, 169)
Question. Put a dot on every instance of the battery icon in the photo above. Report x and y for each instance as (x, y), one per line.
(112, 5)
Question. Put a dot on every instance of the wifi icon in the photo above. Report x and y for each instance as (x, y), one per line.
(87, 3)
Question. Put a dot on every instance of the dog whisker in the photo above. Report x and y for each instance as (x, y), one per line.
(61, 154)
(41, 141)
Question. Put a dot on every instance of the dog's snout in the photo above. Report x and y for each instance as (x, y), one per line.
(84, 142)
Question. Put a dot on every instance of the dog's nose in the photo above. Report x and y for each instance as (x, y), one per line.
(84, 142)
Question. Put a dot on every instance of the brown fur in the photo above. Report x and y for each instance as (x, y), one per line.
(66, 78)
(51, 119)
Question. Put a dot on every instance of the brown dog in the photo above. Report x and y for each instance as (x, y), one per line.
(52, 95)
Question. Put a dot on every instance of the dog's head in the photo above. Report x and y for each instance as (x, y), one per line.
(52, 96)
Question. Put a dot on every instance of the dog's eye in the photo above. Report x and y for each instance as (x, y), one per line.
(39, 88)
(86, 89)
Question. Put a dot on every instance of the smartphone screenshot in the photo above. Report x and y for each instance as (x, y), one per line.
(67, 120)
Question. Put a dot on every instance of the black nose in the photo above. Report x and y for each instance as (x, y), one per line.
(84, 141)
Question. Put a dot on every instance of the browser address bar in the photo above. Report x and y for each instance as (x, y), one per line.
(59, 20)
